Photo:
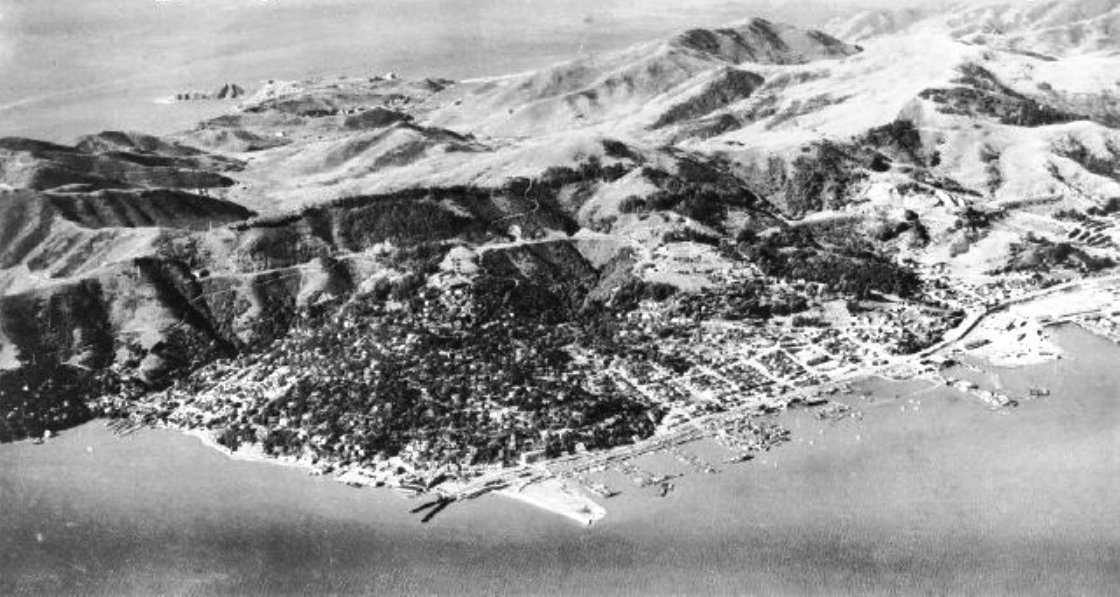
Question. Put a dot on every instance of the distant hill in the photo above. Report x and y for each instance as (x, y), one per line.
(1048, 27)
(110, 160)
(874, 23)
(958, 140)
(228, 91)
(615, 85)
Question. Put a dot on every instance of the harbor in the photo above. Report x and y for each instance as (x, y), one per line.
(942, 485)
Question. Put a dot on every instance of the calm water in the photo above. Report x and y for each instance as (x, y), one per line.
(929, 493)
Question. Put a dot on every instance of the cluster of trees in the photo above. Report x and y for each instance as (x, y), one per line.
(402, 222)
(827, 172)
(1041, 255)
(36, 398)
(632, 205)
(744, 300)
(1111, 206)
(700, 191)
(417, 216)
(1070, 215)
(981, 93)
(974, 219)
(373, 381)
(899, 138)
(1107, 165)
(691, 235)
(590, 170)
(795, 254)
(542, 280)
(356, 223)
(823, 178)
(627, 296)
(803, 321)
(620, 151)
(889, 231)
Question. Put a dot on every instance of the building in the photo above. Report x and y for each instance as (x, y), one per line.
(531, 457)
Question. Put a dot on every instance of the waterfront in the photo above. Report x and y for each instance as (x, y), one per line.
(928, 492)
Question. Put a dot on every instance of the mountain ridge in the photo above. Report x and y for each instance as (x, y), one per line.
(755, 175)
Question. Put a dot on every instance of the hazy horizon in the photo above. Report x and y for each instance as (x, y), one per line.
(72, 68)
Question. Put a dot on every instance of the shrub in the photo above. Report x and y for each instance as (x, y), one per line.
(632, 204)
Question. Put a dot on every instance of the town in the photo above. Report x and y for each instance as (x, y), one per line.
(426, 393)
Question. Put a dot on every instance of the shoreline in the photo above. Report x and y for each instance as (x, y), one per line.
(551, 494)
(779, 524)
(554, 495)
(208, 440)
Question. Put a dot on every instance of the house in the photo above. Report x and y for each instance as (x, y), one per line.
(531, 457)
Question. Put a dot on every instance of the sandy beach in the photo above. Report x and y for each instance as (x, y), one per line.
(558, 497)
(551, 495)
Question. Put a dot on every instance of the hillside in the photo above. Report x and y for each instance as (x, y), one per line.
(1043, 29)
(615, 86)
(567, 259)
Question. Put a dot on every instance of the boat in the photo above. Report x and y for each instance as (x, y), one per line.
(410, 489)
(601, 490)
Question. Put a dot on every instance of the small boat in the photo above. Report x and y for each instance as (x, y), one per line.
(602, 490)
